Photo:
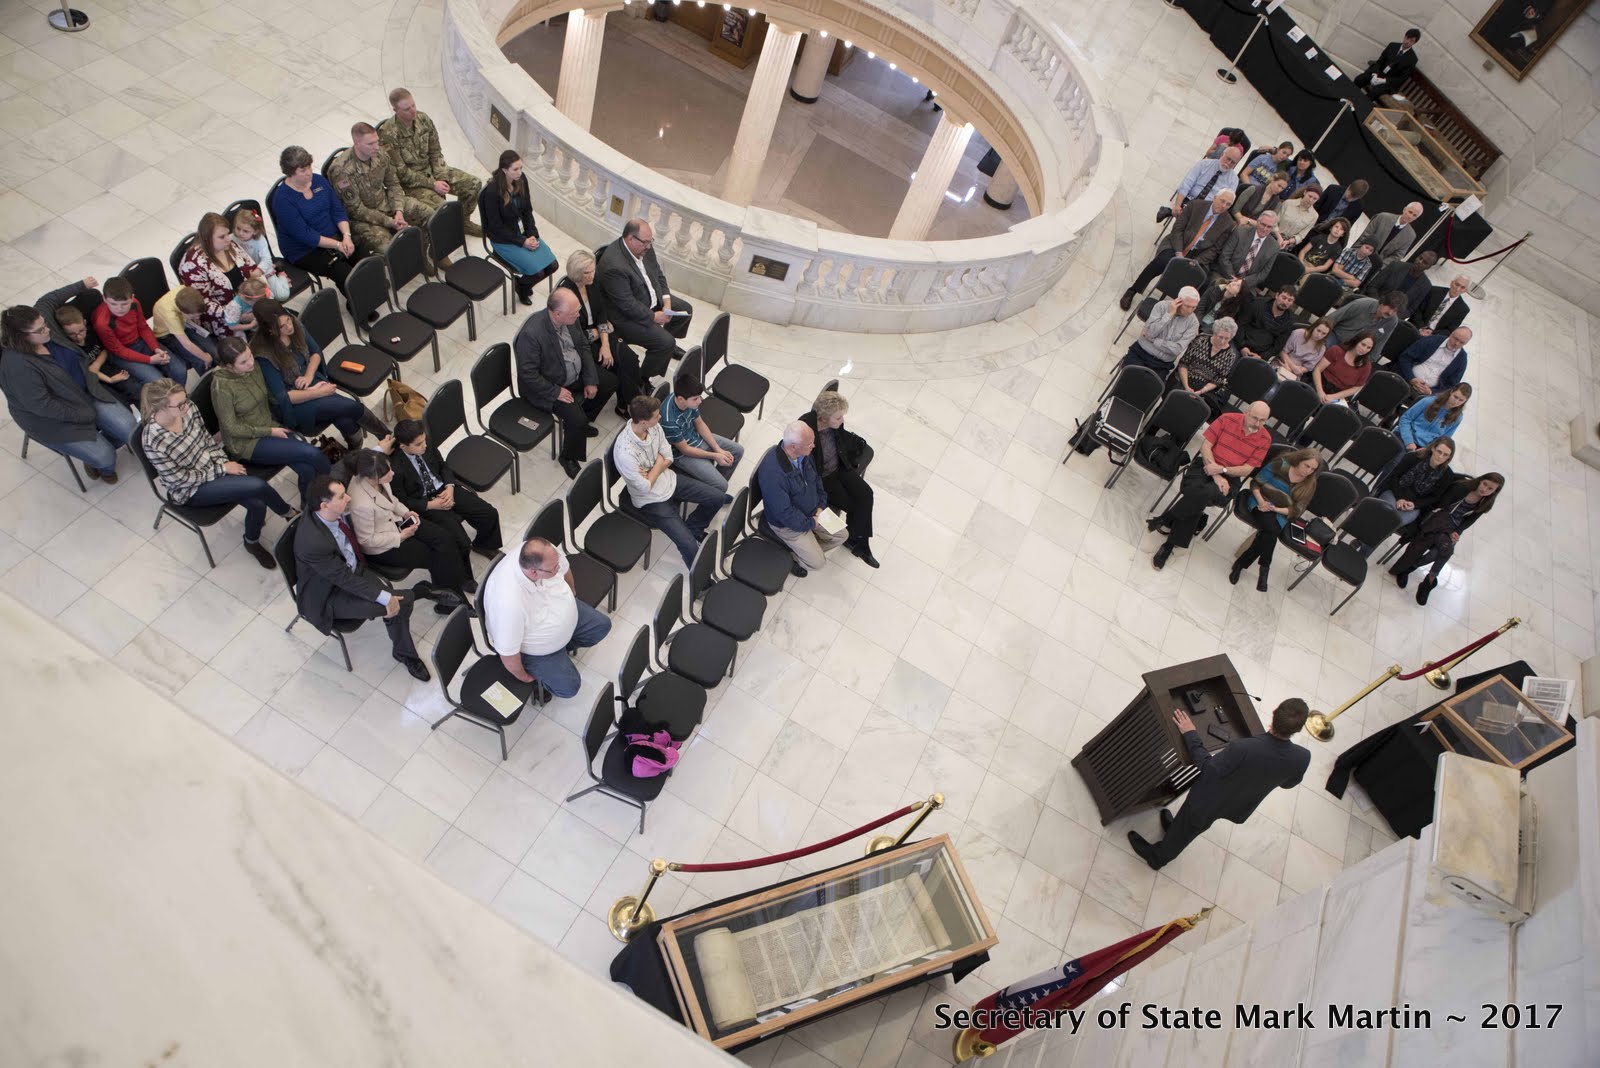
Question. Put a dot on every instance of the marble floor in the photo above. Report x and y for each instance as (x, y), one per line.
(1012, 616)
(844, 162)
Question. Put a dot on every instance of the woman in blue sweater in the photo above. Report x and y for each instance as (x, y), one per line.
(1432, 418)
(313, 229)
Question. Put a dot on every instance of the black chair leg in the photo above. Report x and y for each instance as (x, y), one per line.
(435, 343)
(441, 720)
(25, 441)
(585, 790)
(206, 546)
(345, 649)
(1353, 591)
(75, 476)
(472, 323)
(504, 752)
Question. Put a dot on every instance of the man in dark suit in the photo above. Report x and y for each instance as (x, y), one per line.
(1231, 785)
(1391, 234)
(557, 373)
(1386, 73)
(1403, 276)
(644, 310)
(335, 584)
(1199, 232)
(424, 483)
(1442, 310)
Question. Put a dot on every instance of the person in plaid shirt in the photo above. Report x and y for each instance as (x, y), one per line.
(193, 470)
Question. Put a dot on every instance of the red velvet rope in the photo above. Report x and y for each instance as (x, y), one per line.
(804, 851)
(1463, 651)
(1449, 223)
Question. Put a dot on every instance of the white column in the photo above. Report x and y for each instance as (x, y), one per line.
(580, 65)
(760, 113)
(812, 68)
(927, 190)
(1002, 188)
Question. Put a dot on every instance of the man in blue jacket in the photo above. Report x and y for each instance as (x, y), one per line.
(1435, 363)
(793, 496)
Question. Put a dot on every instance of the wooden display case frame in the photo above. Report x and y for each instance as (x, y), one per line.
(1445, 712)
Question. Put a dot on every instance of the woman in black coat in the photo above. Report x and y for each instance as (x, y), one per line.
(1440, 530)
(841, 456)
(506, 209)
(1420, 481)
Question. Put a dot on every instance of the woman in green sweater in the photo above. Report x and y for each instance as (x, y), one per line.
(244, 415)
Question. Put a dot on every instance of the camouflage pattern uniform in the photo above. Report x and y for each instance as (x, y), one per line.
(418, 158)
(371, 193)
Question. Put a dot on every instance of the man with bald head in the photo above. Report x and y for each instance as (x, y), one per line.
(1233, 445)
(1199, 233)
(1391, 234)
(793, 497)
(1442, 310)
(534, 620)
(556, 372)
(643, 310)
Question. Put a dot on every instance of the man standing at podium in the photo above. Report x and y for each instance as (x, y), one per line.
(1231, 784)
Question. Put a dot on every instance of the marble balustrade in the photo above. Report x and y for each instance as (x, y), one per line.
(724, 253)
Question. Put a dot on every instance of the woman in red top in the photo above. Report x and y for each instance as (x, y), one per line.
(215, 265)
(1343, 370)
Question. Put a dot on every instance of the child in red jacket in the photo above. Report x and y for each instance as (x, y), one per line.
(129, 343)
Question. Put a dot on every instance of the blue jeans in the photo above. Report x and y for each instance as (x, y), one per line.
(703, 470)
(685, 533)
(526, 260)
(343, 412)
(252, 492)
(556, 670)
(304, 459)
(148, 372)
(99, 454)
(182, 359)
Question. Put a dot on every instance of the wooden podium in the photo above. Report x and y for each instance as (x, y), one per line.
(1139, 760)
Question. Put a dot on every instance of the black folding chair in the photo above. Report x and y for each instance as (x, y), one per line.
(149, 281)
(1330, 429)
(328, 161)
(720, 416)
(1286, 270)
(450, 650)
(1120, 414)
(300, 279)
(700, 653)
(1318, 294)
(1362, 531)
(514, 423)
(473, 276)
(619, 541)
(1180, 271)
(757, 562)
(1380, 399)
(1180, 415)
(1248, 382)
(615, 778)
(1291, 406)
(595, 581)
(1369, 452)
(178, 251)
(435, 303)
(358, 369)
(736, 385)
(1405, 335)
(398, 335)
(731, 607)
(659, 701)
(478, 460)
(1336, 491)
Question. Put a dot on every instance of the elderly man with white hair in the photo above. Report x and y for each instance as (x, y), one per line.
(1391, 234)
(1442, 310)
(1169, 330)
(1200, 232)
(794, 497)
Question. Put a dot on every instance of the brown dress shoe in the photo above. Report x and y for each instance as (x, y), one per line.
(259, 551)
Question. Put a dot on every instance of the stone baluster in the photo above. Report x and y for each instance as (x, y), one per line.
(728, 252)
(702, 247)
(808, 277)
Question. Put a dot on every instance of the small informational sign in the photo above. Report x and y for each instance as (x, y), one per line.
(1333, 72)
(1296, 34)
(1311, 53)
(777, 270)
(501, 124)
(1466, 208)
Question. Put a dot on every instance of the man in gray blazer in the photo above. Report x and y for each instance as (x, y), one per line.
(1249, 253)
(556, 372)
(1199, 232)
(644, 311)
(1391, 235)
(1230, 785)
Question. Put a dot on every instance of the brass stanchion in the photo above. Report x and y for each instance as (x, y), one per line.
(630, 913)
(1320, 726)
(1439, 677)
(879, 842)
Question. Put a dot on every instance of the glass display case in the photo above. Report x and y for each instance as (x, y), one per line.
(1425, 157)
(1493, 721)
(749, 967)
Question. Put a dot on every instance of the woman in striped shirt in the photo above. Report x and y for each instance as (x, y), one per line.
(192, 468)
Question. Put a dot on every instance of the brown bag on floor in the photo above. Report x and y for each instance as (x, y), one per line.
(405, 402)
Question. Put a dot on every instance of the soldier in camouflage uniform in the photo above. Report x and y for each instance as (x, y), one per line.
(412, 142)
(369, 185)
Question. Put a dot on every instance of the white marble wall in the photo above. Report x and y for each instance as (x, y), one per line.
(169, 898)
(1546, 125)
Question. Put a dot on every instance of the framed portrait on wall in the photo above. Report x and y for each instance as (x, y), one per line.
(1518, 32)
(734, 25)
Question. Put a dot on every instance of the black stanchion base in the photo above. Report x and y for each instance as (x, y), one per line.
(803, 99)
(1226, 75)
(996, 203)
(59, 19)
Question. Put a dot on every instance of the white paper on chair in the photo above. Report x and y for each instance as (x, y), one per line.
(831, 522)
(502, 700)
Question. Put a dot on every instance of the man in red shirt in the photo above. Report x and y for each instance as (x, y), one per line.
(1233, 445)
(130, 345)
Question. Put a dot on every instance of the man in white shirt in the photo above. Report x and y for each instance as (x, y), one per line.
(644, 460)
(535, 621)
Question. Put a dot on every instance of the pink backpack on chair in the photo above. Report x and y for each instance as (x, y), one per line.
(651, 754)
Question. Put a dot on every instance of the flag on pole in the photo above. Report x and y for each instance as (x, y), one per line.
(1009, 1011)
